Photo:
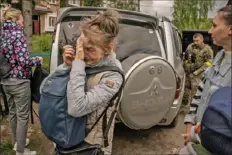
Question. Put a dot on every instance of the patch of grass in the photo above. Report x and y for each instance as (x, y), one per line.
(41, 43)
(46, 62)
(6, 148)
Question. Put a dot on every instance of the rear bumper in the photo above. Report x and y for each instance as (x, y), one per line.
(173, 112)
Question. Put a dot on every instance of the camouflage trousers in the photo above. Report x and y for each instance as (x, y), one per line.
(187, 90)
(191, 85)
(195, 81)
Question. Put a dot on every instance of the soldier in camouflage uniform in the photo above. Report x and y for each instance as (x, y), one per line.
(198, 57)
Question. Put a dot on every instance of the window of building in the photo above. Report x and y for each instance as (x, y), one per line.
(52, 21)
(52, 1)
(74, 1)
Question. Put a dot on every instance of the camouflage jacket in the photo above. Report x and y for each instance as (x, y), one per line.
(199, 58)
(215, 77)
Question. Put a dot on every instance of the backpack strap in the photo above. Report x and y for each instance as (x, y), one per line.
(100, 71)
(94, 80)
(96, 70)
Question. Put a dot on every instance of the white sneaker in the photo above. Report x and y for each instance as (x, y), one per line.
(27, 143)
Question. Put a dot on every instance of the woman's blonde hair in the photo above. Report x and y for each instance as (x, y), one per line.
(101, 29)
(12, 14)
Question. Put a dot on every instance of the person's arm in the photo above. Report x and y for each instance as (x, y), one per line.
(189, 48)
(191, 67)
(191, 116)
(81, 103)
(208, 55)
(207, 60)
(186, 53)
(21, 51)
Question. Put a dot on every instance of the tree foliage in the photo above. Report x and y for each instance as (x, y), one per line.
(132, 5)
(120, 4)
(63, 3)
(192, 14)
(95, 3)
(18, 4)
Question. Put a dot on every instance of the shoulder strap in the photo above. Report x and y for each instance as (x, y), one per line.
(94, 80)
(102, 70)
(96, 70)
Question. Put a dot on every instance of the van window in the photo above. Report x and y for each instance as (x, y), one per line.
(177, 42)
(133, 36)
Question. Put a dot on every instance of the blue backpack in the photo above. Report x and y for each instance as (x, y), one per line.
(216, 125)
(66, 131)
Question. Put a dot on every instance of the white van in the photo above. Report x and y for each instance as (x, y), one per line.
(149, 49)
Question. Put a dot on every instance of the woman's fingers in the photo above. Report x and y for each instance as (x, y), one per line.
(68, 56)
(79, 50)
(68, 49)
(67, 46)
(71, 52)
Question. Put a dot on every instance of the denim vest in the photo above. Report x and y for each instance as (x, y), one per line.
(219, 75)
(215, 77)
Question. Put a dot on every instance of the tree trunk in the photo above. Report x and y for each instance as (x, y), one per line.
(27, 14)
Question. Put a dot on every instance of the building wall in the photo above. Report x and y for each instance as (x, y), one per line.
(45, 19)
(42, 23)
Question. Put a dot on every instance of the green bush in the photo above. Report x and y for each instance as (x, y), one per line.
(6, 148)
(41, 44)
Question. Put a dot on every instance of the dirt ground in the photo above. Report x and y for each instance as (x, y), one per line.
(157, 140)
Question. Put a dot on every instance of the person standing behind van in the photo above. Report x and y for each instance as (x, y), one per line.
(216, 76)
(199, 56)
(17, 84)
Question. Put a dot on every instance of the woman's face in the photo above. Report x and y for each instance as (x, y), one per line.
(20, 21)
(92, 53)
(220, 31)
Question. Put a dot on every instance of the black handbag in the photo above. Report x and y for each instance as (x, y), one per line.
(5, 67)
(39, 75)
(37, 78)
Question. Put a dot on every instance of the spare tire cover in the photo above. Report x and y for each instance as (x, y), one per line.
(149, 91)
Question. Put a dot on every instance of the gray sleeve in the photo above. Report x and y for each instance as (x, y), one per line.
(81, 103)
(59, 68)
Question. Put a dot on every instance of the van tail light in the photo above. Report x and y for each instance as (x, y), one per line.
(178, 87)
